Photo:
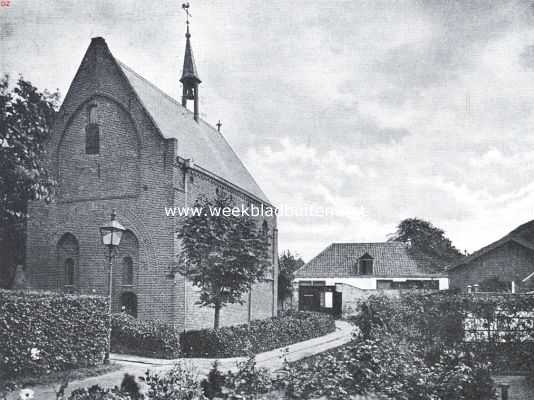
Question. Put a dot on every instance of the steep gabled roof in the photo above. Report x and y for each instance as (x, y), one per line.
(390, 259)
(511, 237)
(198, 141)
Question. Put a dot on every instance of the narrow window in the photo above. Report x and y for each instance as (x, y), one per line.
(265, 228)
(69, 272)
(92, 132)
(366, 265)
(127, 271)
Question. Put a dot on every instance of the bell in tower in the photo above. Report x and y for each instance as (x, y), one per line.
(190, 80)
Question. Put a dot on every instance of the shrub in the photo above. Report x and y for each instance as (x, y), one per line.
(387, 367)
(256, 337)
(180, 383)
(145, 338)
(96, 392)
(497, 328)
(41, 332)
(213, 384)
(248, 382)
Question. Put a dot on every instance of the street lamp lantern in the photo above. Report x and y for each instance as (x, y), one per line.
(111, 234)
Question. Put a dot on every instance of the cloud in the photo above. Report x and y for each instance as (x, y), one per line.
(385, 110)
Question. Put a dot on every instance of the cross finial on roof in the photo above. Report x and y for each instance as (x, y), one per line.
(219, 124)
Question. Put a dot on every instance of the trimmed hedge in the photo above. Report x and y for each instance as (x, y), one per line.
(41, 332)
(144, 338)
(256, 337)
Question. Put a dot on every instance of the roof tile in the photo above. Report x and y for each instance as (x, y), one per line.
(198, 141)
(391, 259)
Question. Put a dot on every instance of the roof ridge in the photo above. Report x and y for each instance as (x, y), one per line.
(201, 120)
(153, 85)
(318, 255)
(168, 96)
(359, 243)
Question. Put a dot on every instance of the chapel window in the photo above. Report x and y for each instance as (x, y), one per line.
(92, 132)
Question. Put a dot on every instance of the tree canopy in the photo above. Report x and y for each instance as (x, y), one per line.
(223, 255)
(288, 263)
(26, 117)
(428, 243)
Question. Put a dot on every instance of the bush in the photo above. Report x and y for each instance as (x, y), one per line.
(384, 366)
(41, 332)
(180, 383)
(145, 338)
(256, 337)
(497, 328)
(96, 392)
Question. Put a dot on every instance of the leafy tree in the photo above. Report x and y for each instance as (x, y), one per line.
(223, 255)
(288, 263)
(428, 244)
(26, 117)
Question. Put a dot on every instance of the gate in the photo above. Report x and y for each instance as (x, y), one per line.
(320, 299)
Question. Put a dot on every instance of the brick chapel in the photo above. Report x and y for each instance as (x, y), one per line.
(121, 143)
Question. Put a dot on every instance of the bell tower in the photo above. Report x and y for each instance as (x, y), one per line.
(190, 80)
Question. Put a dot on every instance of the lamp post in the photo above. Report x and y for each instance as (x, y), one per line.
(111, 234)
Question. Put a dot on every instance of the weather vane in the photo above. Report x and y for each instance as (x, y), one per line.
(185, 7)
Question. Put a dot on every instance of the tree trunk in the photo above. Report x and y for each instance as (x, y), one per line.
(217, 316)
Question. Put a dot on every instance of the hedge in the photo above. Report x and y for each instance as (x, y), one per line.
(41, 332)
(256, 337)
(144, 338)
(497, 329)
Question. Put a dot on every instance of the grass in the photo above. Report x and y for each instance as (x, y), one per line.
(59, 377)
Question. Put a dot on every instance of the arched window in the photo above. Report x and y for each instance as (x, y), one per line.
(129, 303)
(92, 132)
(69, 272)
(127, 271)
(265, 228)
(129, 254)
(67, 259)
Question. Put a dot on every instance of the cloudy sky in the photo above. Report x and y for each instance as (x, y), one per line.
(384, 110)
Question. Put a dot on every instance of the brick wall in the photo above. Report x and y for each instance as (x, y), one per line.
(190, 184)
(509, 262)
(132, 173)
(135, 173)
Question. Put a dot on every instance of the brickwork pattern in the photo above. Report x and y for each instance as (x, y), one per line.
(135, 173)
(509, 262)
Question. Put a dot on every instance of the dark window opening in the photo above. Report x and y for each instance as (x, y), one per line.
(127, 271)
(92, 132)
(383, 284)
(366, 266)
(92, 139)
(129, 303)
(69, 272)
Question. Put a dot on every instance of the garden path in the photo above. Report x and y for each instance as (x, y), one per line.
(137, 366)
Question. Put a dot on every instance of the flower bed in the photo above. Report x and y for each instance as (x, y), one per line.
(144, 338)
(41, 332)
(256, 337)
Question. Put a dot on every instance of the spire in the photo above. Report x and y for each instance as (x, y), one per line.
(190, 70)
(190, 80)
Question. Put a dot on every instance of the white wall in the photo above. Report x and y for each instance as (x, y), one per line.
(369, 283)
